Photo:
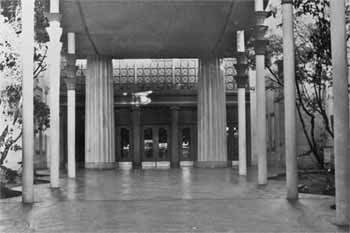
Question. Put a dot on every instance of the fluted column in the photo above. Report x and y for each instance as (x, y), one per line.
(136, 132)
(99, 107)
(241, 80)
(54, 61)
(260, 44)
(289, 100)
(28, 105)
(212, 147)
(341, 112)
(175, 159)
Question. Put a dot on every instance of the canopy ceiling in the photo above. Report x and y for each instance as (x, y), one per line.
(156, 28)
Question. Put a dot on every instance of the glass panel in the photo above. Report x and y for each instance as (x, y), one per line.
(163, 143)
(186, 143)
(125, 143)
(148, 142)
(235, 131)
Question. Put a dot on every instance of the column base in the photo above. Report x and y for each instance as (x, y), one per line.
(101, 166)
(212, 164)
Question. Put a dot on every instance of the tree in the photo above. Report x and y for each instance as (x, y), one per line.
(313, 70)
(11, 76)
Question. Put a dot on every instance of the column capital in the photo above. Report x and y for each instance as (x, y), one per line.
(260, 31)
(260, 40)
(241, 58)
(260, 17)
(241, 69)
(241, 80)
(70, 83)
(242, 76)
(260, 46)
(70, 68)
(55, 32)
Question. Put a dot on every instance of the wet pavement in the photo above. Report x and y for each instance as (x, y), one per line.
(172, 200)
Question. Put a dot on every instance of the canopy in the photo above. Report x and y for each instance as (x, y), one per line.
(156, 28)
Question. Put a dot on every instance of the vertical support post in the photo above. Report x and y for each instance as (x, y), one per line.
(175, 160)
(241, 80)
(54, 6)
(253, 123)
(260, 47)
(280, 122)
(71, 84)
(136, 124)
(289, 100)
(99, 110)
(28, 104)
(212, 142)
(54, 60)
(71, 42)
(341, 112)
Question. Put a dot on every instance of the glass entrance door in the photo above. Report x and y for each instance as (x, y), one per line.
(123, 147)
(232, 141)
(155, 143)
(188, 143)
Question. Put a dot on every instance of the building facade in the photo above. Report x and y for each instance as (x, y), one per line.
(146, 130)
(207, 30)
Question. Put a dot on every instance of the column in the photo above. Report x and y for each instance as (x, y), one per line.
(63, 137)
(70, 84)
(341, 112)
(99, 111)
(280, 129)
(54, 60)
(289, 100)
(260, 47)
(28, 105)
(175, 159)
(241, 80)
(136, 132)
(212, 147)
(253, 124)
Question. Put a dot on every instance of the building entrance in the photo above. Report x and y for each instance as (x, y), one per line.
(188, 143)
(124, 144)
(155, 143)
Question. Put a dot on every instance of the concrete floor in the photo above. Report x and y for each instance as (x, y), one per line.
(175, 200)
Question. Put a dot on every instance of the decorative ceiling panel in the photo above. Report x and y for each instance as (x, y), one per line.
(149, 74)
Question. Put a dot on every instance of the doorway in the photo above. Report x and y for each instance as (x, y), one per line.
(155, 143)
(124, 144)
(188, 143)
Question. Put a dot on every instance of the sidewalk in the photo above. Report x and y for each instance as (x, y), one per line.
(174, 200)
